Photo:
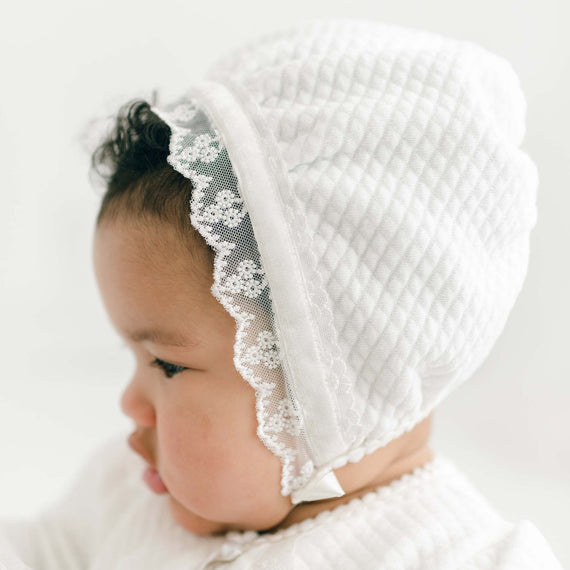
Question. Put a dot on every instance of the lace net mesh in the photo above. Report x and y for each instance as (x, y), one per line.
(218, 212)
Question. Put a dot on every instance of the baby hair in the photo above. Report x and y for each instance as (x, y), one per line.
(139, 182)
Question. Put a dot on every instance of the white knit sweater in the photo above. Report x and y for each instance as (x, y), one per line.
(432, 519)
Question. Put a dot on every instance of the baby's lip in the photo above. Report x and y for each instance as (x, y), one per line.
(135, 444)
(153, 479)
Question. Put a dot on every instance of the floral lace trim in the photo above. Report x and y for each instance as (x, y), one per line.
(218, 212)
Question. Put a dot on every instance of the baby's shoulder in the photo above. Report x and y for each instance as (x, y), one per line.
(523, 547)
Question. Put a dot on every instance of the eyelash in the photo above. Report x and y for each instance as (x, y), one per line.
(168, 368)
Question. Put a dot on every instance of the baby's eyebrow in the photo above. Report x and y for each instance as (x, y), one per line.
(163, 337)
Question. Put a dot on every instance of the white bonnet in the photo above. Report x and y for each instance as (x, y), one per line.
(379, 169)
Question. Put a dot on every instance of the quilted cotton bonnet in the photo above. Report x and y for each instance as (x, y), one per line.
(363, 187)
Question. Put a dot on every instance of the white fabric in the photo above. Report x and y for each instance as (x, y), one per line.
(431, 519)
(392, 205)
(324, 488)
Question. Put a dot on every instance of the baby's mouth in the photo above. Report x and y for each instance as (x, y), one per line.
(151, 476)
(153, 479)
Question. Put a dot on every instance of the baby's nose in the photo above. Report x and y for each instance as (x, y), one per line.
(137, 406)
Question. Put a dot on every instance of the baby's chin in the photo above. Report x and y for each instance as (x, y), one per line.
(193, 522)
(196, 524)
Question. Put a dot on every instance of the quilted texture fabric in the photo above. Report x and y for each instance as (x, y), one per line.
(392, 205)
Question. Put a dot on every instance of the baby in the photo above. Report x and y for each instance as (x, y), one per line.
(305, 253)
(194, 414)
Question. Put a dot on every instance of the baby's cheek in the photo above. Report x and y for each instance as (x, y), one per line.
(196, 461)
(215, 464)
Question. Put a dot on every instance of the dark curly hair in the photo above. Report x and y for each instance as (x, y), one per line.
(138, 179)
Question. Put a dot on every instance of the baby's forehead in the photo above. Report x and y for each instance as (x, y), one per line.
(150, 280)
(154, 246)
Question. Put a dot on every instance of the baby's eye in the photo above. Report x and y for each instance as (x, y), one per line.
(169, 369)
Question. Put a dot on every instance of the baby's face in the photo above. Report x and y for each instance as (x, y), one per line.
(199, 425)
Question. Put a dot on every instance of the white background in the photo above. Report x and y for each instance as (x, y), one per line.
(63, 368)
